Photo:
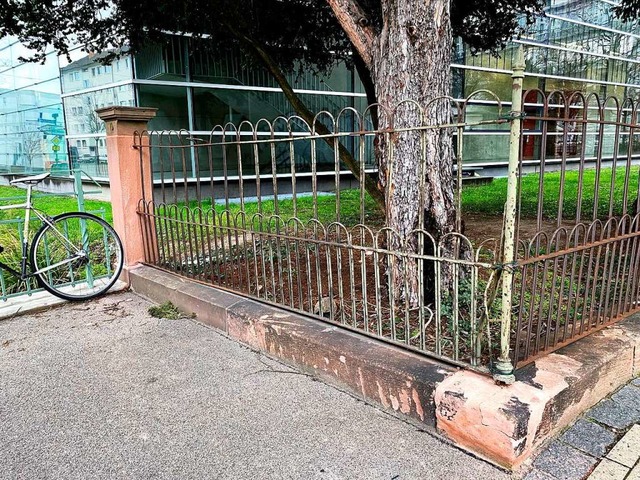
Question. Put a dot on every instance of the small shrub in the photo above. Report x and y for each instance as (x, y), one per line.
(167, 310)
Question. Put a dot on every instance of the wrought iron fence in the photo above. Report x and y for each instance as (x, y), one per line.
(578, 261)
(314, 241)
(274, 213)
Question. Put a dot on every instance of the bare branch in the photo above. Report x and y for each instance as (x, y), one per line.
(356, 25)
(301, 109)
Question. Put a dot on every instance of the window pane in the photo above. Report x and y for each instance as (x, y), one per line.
(219, 106)
(90, 155)
(80, 109)
(87, 72)
(171, 103)
(31, 119)
(163, 61)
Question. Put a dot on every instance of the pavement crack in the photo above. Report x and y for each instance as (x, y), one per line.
(271, 370)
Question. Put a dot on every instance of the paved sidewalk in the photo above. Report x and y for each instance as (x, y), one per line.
(602, 445)
(103, 390)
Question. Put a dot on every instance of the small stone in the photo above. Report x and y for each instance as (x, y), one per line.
(325, 306)
(614, 414)
(564, 462)
(636, 382)
(589, 437)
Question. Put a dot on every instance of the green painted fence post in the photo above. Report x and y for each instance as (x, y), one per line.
(504, 367)
(77, 179)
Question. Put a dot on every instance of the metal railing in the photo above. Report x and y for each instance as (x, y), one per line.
(577, 250)
(492, 294)
(316, 243)
(12, 230)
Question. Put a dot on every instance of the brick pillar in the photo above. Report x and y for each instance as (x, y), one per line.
(127, 180)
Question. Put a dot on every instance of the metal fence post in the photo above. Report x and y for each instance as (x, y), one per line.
(503, 368)
(77, 180)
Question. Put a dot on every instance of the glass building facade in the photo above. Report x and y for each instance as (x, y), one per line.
(32, 123)
(86, 86)
(577, 46)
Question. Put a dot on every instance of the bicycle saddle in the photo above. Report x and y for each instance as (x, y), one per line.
(30, 180)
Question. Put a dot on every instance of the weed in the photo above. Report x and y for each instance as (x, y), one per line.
(167, 310)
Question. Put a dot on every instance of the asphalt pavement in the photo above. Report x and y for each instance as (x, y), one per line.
(103, 390)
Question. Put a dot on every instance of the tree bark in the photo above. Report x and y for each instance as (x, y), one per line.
(409, 58)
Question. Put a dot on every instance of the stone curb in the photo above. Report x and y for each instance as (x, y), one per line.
(374, 371)
(508, 424)
(505, 425)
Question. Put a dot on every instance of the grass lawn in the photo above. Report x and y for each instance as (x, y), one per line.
(488, 199)
(482, 199)
(50, 204)
(326, 208)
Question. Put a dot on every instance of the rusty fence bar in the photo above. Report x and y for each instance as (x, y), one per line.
(578, 262)
(274, 213)
(278, 212)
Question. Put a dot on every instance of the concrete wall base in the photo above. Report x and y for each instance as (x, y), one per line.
(504, 424)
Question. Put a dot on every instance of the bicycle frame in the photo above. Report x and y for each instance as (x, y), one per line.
(27, 206)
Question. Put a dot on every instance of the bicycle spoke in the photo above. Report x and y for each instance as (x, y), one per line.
(76, 256)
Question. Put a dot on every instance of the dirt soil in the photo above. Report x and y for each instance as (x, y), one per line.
(482, 227)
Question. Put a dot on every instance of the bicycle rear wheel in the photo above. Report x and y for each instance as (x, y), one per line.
(76, 257)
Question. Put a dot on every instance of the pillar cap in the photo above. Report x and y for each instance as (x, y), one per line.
(131, 114)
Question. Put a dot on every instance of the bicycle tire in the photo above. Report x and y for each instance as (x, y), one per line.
(86, 277)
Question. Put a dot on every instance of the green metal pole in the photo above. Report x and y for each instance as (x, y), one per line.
(77, 178)
(503, 369)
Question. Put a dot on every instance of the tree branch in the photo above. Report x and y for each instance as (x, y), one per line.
(356, 25)
(369, 88)
(370, 184)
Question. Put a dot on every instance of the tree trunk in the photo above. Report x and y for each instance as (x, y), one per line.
(410, 61)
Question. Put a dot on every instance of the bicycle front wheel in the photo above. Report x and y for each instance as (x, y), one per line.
(76, 256)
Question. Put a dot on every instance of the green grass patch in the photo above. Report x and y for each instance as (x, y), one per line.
(489, 199)
(326, 208)
(50, 204)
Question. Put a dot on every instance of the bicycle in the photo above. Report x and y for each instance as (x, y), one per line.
(74, 255)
